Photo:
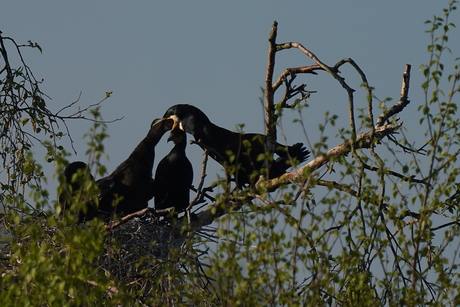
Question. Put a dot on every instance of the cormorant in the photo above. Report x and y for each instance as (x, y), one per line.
(235, 149)
(76, 174)
(131, 183)
(174, 176)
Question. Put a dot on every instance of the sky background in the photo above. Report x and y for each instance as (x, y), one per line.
(213, 54)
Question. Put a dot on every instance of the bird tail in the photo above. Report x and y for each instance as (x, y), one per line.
(299, 152)
(294, 154)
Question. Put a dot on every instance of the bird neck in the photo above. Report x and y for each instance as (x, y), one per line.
(146, 147)
(210, 133)
(180, 147)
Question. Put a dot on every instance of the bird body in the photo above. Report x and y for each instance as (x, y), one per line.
(131, 182)
(76, 175)
(246, 152)
(174, 176)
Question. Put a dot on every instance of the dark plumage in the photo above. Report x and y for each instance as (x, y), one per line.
(76, 174)
(232, 148)
(174, 176)
(132, 180)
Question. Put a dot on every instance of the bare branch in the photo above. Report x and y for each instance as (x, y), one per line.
(79, 113)
(334, 74)
(140, 213)
(296, 71)
(270, 117)
(363, 140)
(396, 174)
(457, 222)
(403, 100)
(292, 91)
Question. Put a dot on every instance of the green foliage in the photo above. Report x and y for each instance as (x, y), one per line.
(373, 228)
(56, 265)
(373, 236)
(24, 117)
(55, 260)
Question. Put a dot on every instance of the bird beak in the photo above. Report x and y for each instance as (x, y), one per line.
(174, 135)
(177, 122)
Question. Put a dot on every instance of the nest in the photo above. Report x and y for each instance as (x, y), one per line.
(143, 255)
(138, 250)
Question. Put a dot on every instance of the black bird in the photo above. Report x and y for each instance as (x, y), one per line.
(77, 174)
(246, 151)
(131, 183)
(174, 176)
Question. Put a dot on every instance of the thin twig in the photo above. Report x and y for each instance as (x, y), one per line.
(403, 100)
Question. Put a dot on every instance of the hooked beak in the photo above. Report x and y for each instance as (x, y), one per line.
(177, 122)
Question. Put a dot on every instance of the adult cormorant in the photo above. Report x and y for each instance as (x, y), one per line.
(235, 149)
(174, 176)
(131, 185)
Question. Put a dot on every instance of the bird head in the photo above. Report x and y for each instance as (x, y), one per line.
(164, 124)
(189, 118)
(73, 168)
(177, 135)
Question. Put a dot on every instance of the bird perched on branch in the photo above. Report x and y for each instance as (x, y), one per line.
(174, 176)
(131, 183)
(245, 152)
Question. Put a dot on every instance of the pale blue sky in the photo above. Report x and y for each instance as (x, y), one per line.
(213, 54)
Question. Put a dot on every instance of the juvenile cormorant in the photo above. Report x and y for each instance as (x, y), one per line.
(235, 149)
(174, 176)
(131, 182)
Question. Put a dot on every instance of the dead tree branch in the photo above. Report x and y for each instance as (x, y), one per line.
(403, 100)
(363, 140)
(270, 117)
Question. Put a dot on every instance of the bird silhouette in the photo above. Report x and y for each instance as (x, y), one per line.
(245, 153)
(130, 186)
(76, 177)
(174, 176)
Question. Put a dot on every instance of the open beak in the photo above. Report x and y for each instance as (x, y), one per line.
(176, 125)
(177, 122)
